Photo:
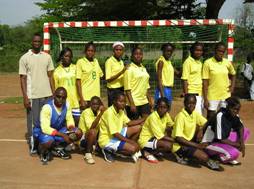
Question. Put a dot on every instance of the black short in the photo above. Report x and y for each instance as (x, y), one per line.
(112, 92)
(186, 151)
(143, 109)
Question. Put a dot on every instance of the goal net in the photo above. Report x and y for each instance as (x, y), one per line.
(149, 34)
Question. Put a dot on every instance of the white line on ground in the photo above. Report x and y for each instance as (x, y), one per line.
(12, 140)
(21, 140)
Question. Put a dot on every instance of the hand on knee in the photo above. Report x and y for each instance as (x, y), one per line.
(201, 155)
(79, 134)
(92, 132)
(134, 149)
(204, 157)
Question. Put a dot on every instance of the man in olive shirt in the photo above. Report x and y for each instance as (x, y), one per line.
(35, 70)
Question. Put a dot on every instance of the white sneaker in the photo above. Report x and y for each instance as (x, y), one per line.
(70, 147)
(89, 158)
(32, 148)
(150, 158)
(139, 154)
(136, 156)
(234, 162)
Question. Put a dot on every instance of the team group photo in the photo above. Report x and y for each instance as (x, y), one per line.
(147, 99)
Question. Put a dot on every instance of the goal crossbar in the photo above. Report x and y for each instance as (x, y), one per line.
(141, 23)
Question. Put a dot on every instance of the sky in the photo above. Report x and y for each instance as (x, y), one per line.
(16, 12)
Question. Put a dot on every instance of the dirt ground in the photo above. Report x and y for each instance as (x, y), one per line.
(19, 170)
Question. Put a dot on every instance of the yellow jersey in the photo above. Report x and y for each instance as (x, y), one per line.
(217, 75)
(154, 126)
(86, 120)
(185, 126)
(89, 73)
(167, 72)
(136, 79)
(66, 77)
(113, 67)
(192, 72)
(111, 123)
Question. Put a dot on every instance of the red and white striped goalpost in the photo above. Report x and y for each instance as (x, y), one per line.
(142, 23)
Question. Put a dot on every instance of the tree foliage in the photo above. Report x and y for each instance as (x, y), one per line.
(15, 41)
(244, 33)
(74, 10)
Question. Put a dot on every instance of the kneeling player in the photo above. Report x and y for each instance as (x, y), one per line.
(188, 132)
(226, 133)
(52, 129)
(155, 135)
(89, 124)
(117, 132)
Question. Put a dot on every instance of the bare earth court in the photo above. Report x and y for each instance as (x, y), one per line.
(19, 170)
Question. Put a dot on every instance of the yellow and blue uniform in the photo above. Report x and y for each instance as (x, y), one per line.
(185, 126)
(89, 73)
(111, 123)
(217, 75)
(66, 77)
(154, 127)
(167, 78)
(52, 120)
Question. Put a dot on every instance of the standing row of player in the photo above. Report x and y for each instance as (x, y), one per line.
(209, 82)
(82, 82)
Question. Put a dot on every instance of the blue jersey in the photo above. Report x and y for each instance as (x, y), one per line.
(58, 120)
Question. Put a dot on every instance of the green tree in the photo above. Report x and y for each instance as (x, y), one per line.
(4, 34)
(244, 33)
(66, 10)
(59, 10)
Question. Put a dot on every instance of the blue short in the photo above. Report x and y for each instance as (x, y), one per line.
(167, 93)
(115, 144)
(44, 138)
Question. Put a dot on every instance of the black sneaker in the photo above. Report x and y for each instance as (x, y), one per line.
(181, 160)
(107, 156)
(59, 152)
(213, 165)
(45, 157)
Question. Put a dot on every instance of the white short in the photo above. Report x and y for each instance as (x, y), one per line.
(114, 144)
(199, 105)
(214, 105)
(152, 144)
